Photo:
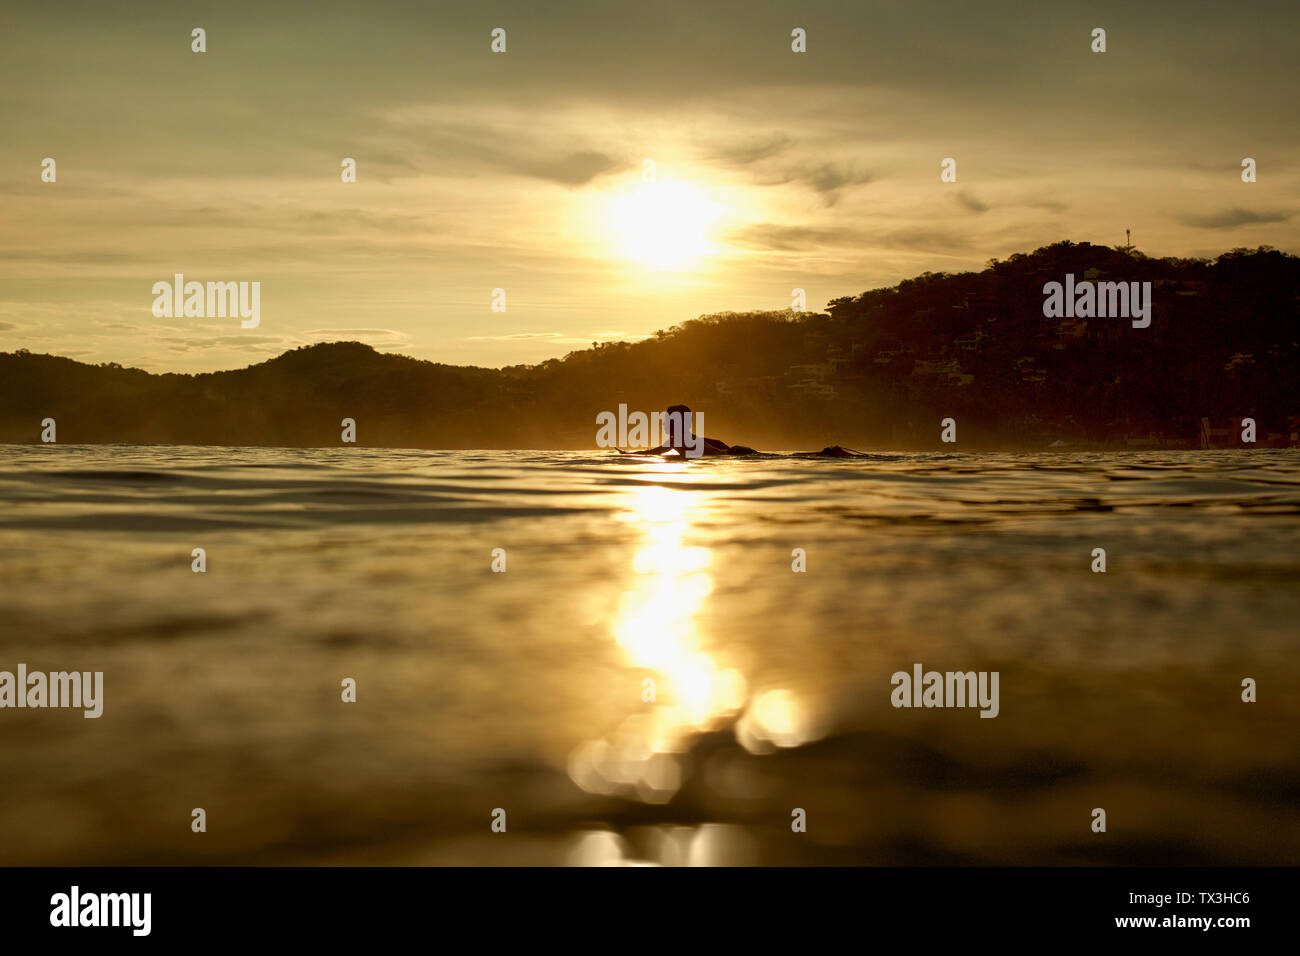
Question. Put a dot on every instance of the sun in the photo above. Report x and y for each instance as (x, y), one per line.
(665, 225)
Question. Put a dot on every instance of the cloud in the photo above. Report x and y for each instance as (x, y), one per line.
(515, 337)
(73, 257)
(753, 150)
(777, 238)
(249, 340)
(474, 140)
(392, 333)
(1231, 218)
(238, 342)
(828, 179)
(971, 203)
(340, 220)
(561, 338)
(926, 240)
(572, 170)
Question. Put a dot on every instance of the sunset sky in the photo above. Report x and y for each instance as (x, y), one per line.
(523, 170)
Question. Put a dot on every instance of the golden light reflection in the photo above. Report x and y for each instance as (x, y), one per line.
(656, 627)
(710, 844)
(774, 719)
(656, 624)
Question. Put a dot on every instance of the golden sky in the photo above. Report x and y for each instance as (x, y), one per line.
(524, 170)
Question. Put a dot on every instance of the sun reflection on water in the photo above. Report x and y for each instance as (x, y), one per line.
(656, 623)
(655, 626)
(685, 691)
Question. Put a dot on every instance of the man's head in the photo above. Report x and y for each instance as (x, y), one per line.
(677, 423)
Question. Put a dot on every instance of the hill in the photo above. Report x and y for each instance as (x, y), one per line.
(880, 369)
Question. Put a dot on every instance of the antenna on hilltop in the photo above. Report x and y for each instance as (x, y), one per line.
(1128, 240)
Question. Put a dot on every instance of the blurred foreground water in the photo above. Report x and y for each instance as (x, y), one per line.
(526, 690)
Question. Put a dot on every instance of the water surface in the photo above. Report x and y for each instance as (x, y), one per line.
(525, 690)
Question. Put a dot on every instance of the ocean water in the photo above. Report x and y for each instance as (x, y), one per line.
(626, 579)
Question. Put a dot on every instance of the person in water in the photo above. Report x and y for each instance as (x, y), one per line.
(683, 441)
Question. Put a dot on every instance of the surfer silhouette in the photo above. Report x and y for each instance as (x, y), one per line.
(683, 441)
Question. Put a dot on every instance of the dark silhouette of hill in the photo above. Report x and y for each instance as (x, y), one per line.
(880, 369)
